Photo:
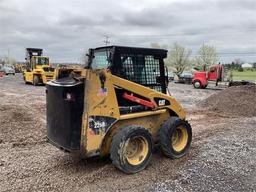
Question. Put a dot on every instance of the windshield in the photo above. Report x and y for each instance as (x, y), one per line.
(42, 61)
(100, 60)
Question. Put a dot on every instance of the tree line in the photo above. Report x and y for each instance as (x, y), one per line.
(180, 58)
(7, 60)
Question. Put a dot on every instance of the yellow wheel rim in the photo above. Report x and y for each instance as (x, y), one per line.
(136, 150)
(179, 139)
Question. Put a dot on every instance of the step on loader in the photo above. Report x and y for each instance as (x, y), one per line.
(118, 107)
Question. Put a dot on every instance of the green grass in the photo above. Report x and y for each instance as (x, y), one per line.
(245, 75)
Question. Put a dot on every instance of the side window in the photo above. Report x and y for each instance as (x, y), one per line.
(213, 70)
(100, 60)
(140, 68)
(143, 69)
(133, 67)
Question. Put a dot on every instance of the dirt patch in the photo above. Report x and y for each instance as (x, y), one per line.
(19, 126)
(188, 96)
(233, 101)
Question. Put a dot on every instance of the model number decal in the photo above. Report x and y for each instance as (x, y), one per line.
(98, 125)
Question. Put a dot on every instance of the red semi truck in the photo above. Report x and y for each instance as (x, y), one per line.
(214, 73)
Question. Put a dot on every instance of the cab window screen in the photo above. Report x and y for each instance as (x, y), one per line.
(141, 69)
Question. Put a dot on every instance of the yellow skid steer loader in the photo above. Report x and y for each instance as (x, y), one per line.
(118, 106)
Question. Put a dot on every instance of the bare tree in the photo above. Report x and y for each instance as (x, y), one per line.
(158, 46)
(83, 59)
(207, 55)
(238, 61)
(9, 60)
(178, 59)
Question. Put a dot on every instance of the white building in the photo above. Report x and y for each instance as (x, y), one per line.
(246, 65)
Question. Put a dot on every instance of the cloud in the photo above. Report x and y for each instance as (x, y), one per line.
(66, 29)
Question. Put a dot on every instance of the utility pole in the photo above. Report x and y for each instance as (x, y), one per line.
(106, 41)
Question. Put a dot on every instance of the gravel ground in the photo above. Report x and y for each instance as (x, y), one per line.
(189, 97)
(222, 157)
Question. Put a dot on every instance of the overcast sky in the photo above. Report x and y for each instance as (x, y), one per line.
(65, 29)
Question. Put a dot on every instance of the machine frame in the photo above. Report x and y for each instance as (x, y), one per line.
(94, 113)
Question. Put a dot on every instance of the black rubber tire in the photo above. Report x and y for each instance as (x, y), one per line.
(36, 80)
(117, 148)
(165, 133)
(200, 86)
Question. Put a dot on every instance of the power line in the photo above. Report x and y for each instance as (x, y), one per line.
(217, 33)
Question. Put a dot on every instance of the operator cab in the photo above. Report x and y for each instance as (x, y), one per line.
(35, 59)
(144, 66)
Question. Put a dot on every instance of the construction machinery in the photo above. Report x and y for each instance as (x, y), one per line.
(62, 71)
(19, 67)
(38, 69)
(118, 106)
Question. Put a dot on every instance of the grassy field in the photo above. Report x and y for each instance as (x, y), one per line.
(245, 75)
